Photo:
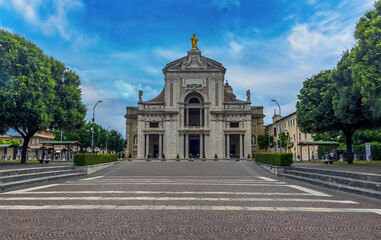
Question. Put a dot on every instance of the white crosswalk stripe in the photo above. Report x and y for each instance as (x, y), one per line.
(233, 199)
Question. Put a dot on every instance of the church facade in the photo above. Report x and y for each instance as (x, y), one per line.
(196, 114)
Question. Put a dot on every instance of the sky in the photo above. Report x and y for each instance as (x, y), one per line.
(118, 47)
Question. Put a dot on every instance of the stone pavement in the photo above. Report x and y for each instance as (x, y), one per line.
(349, 168)
(34, 165)
(185, 200)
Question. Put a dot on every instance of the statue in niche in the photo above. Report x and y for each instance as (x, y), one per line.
(248, 95)
(194, 41)
(140, 95)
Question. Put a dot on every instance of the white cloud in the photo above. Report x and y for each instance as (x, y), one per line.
(325, 36)
(116, 94)
(302, 39)
(130, 91)
(169, 54)
(226, 4)
(123, 56)
(56, 22)
(235, 48)
(311, 2)
(276, 68)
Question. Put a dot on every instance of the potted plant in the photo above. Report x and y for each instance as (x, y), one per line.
(215, 157)
(148, 157)
(129, 157)
(190, 157)
(248, 157)
(237, 157)
(203, 157)
(177, 157)
(162, 157)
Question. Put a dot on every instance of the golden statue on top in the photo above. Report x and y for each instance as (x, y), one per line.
(194, 41)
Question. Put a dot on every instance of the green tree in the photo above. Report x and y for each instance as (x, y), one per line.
(265, 141)
(11, 142)
(27, 88)
(348, 101)
(69, 110)
(333, 101)
(331, 136)
(116, 141)
(285, 141)
(29, 101)
(103, 138)
(314, 109)
(367, 136)
(82, 135)
(366, 66)
(329, 103)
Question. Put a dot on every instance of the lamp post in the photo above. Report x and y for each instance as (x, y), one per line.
(107, 132)
(280, 127)
(92, 128)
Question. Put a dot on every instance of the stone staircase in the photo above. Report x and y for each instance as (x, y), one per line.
(13, 178)
(366, 184)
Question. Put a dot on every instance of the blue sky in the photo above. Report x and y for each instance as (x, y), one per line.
(119, 47)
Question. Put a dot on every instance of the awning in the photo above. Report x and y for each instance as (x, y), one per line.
(305, 143)
(71, 143)
(35, 148)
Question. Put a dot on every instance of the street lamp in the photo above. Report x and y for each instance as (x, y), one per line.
(107, 130)
(92, 128)
(280, 128)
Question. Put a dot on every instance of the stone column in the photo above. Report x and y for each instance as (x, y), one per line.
(187, 117)
(181, 121)
(160, 145)
(240, 146)
(206, 118)
(186, 145)
(200, 117)
(228, 146)
(201, 145)
(147, 145)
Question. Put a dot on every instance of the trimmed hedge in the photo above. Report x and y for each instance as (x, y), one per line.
(375, 149)
(279, 159)
(82, 159)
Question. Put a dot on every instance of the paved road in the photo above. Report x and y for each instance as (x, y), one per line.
(186, 200)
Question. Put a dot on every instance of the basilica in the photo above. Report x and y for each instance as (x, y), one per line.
(195, 115)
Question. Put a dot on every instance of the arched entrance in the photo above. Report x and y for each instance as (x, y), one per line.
(194, 110)
(194, 118)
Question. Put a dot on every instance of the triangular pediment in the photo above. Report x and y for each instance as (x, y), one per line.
(194, 61)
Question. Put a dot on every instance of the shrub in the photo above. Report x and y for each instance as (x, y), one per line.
(162, 155)
(375, 149)
(203, 156)
(237, 156)
(149, 155)
(215, 156)
(190, 155)
(82, 159)
(279, 159)
(248, 156)
(177, 156)
(129, 155)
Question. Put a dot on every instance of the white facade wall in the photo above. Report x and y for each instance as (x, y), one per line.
(193, 76)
